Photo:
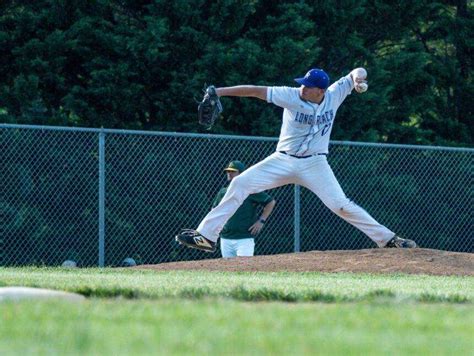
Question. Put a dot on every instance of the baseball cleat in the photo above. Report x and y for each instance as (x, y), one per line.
(193, 239)
(398, 242)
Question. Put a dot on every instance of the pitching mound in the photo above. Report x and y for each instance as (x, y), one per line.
(418, 261)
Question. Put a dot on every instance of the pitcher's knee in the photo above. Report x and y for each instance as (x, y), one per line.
(341, 206)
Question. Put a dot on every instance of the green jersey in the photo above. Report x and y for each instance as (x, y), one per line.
(237, 227)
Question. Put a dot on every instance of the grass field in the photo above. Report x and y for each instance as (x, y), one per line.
(145, 312)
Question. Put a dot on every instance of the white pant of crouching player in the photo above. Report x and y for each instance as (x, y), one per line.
(237, 247)
(279, 169)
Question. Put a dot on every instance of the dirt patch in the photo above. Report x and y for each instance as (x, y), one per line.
(415, 261)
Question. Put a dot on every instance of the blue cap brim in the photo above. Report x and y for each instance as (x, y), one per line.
(306, 83)
(302, 81)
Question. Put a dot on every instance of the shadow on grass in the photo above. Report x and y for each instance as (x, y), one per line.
(267, 295)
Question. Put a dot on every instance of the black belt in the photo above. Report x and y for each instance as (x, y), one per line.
(317, 154)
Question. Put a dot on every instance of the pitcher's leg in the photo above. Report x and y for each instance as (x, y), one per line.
(319, 178)
(270, 173)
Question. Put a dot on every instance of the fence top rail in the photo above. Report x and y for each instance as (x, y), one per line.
(224, 137)
(137, 132)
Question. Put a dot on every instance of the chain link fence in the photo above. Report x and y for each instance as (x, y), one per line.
(100, 196)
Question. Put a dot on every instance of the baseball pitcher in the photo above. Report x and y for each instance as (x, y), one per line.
(300, 158)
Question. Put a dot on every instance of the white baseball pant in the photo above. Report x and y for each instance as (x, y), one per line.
(279, 169)
(237, 247)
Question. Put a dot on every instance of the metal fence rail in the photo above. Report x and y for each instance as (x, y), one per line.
(98, 196)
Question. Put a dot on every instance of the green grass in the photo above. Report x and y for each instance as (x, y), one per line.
(293, 287)
(143, 312)
(169, 327)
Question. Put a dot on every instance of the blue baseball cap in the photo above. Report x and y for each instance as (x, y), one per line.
(315, 78)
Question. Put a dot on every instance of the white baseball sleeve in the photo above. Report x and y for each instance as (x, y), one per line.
(341, 89)
(285, 97)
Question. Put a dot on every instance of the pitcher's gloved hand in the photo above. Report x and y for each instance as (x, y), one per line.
(209, 108)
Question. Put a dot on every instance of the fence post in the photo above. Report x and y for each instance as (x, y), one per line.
(101, 198)
(297, 218)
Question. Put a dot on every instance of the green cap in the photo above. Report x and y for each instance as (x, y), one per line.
(235, 166)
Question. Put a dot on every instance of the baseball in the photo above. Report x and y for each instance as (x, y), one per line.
(362, 87)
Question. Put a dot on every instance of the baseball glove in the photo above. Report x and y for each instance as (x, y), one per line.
(209, 108)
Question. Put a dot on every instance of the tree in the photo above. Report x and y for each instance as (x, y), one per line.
(139, 64)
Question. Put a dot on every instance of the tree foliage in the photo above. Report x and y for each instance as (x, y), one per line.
(140, 64)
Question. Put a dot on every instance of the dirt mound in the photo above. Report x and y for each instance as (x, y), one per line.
(418, 261)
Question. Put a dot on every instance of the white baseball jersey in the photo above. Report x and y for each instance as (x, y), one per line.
(306, 126)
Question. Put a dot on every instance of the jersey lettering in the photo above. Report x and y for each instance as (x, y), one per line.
(307, 119)
(325, 129)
